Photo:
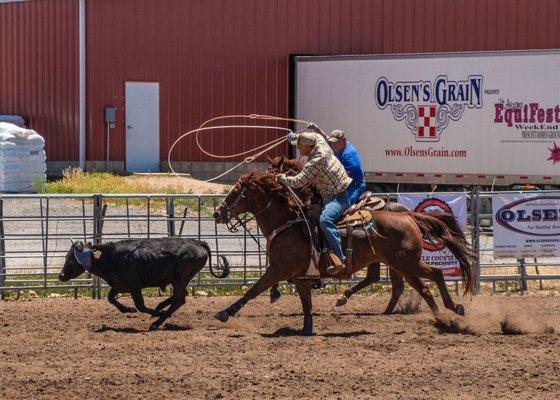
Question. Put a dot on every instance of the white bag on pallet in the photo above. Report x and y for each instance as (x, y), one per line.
(22, 159)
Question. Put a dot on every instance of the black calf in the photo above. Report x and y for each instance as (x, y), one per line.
(128, 266)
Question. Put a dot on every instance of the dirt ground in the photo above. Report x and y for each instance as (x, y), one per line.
(67, 348)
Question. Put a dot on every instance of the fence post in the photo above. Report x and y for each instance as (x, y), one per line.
(475, 237)
(45, 241)
(97, 227)
(2, 250)
(522, 270)
(170, 206)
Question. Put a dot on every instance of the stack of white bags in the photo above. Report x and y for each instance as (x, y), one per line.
(22, 159)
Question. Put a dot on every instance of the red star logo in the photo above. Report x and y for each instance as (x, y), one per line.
(554, 154)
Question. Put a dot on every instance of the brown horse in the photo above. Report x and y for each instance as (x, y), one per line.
(281, 164)
(397, 242)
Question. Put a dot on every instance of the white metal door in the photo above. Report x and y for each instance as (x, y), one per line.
(142, 126)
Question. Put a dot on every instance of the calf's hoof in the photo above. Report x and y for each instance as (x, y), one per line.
(154, 327)
(222, 316)
(459, 309)
(131, 310)
(342, 300)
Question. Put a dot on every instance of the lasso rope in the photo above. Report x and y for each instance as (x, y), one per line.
(255, 152)
(250, 116)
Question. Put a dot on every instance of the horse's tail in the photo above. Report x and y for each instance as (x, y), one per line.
(443, 227)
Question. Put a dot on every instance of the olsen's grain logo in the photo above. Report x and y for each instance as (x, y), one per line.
(433, 205)
(536, 216)
(427, 107)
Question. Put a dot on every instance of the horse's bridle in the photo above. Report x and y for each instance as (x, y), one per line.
(232, 227)
(245, 219)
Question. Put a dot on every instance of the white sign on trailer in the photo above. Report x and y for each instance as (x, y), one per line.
(472, 118)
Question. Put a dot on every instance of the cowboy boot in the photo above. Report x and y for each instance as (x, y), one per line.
(336, 265)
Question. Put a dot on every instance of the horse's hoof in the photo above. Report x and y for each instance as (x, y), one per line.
(222, 316)
(342, 300)
(307, 326)
(274, 297)
(459, 309)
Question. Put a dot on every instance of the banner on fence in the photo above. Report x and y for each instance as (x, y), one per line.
(526, 225)
(435, 253)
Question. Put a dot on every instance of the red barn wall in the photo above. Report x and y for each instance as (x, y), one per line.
(39, 70)
(215, 57)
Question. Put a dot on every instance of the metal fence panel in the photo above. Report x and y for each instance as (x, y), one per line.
(34, 233)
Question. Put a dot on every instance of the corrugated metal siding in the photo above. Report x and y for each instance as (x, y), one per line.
(212, 58)
(215, 57)
(410, 26)
(39, 70)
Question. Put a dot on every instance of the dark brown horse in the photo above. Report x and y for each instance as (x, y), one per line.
(397, 242)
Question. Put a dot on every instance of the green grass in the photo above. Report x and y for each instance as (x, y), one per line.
(75, 181)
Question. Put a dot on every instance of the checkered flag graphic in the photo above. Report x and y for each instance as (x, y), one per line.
(426, 128)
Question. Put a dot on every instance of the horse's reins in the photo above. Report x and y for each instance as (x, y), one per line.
(243, 221)
(302, 214)
(302, 217)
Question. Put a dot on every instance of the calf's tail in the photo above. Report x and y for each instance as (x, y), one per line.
(221, 270)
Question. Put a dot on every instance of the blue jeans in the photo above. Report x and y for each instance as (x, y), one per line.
(355, 191)
(333, 208)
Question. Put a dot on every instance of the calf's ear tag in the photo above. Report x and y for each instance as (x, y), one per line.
(97, 254)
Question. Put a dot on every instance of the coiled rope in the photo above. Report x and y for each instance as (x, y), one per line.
(255, 152)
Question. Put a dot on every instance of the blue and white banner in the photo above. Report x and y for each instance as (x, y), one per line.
(435, 253)
(526, 225)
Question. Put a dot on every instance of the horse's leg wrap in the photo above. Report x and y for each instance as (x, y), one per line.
(224, 315)
(235, 307)
(307, 325)
(274, 294)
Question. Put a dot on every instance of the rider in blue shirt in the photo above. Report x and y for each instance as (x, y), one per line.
(350, 159)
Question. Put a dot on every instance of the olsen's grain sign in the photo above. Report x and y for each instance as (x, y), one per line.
(526, 225)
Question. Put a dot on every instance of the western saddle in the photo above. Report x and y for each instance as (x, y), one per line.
(356, 223)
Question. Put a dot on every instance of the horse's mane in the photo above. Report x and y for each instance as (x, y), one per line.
(291, 167)
(268, 183)
(286, 164)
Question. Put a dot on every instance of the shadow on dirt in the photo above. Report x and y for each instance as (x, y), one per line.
(176, 327)
(287, 331)
(452, 325)
(348, 334)
(105, 328)
(166, 327)
(316, 314)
